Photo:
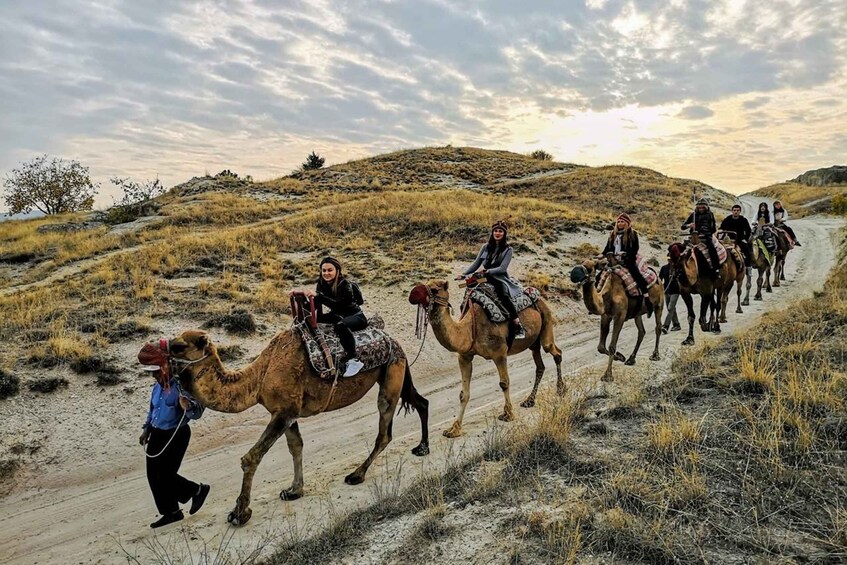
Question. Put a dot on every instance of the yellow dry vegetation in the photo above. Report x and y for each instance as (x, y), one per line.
(801, 199)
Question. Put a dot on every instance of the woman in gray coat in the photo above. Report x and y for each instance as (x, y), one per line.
(494, 258)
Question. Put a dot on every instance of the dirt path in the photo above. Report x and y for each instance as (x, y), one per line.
(82, 513)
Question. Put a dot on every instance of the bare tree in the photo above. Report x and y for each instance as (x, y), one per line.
(52, 186)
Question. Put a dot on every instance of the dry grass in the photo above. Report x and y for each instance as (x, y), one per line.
(801, 200)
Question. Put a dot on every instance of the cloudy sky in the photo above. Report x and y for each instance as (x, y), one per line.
(737, 94)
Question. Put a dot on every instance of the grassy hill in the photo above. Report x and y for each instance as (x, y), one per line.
(220, 243)
(802, 199)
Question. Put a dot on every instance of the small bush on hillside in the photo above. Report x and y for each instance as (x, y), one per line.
(108, 379)
(126, 329)
(541, 155)
(239, 321)
(8, 468)
(47, 384)
(135, 200)
(839, 204)
(9, 384)
(313, 162)
(231, 352)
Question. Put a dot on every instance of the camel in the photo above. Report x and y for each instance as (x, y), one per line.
(763, 266)
(685, 267)
(613, 304)
(474, 335)
(733, 252)
(783, 246)
(282, 380)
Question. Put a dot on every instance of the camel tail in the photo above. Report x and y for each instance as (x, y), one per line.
(410, 399)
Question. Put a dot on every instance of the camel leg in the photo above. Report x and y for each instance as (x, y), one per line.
(718, 302)
(738, 285)
(529, 402)
(724, 302)
(613, 346)
(389, 395)
(689, 305)
(605, 324)
(295, 447)
(655, 355)
(705, 303)
(466, 366)
(548, 342)
(250, 462)
(639, 323)
(503, 369)
(777, 273)
(759, 283)
(746, 301)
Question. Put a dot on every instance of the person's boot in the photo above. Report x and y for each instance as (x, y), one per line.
(168, 519)
(353, 367)
(198, 499)
(520, 332)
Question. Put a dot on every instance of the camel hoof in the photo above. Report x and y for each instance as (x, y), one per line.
(453, 432)
(239, 518)
(739, 310)
(716, 330)
(505, 417)
(655, 357)
(620, 357)
(354, 479)
(528, 403)
(724, 321)
(421, 450)
(759, 298)
(607, 378)
(630, 362)
(688, 341)
(745, 303)
(289, 494)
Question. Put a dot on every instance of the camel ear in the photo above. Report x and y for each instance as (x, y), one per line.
(202, 342)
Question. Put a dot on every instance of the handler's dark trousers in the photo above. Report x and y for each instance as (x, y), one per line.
(167, 486)
(670, 302)
(505, 297)
(344, 328)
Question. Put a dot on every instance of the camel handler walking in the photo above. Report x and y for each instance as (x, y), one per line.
(166, 435)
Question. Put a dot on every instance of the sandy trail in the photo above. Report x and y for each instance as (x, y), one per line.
(83, 515)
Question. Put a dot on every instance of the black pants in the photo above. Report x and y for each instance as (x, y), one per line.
(168, 487)
(637, 276)
(713, 253)
(790, 231)
(344, 328)
(505, 297)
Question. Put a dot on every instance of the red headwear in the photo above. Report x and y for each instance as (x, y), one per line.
(624, 217)
(156, 353)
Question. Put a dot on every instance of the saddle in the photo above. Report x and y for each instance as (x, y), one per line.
(484, 295)
(374, 347)
(734, 250)
(783, 231)
(629, 284)
(703, 252)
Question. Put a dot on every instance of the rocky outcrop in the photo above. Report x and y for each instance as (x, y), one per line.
(70, 227)
(225, 180)
(836, 174)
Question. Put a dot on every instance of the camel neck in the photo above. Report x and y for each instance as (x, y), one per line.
(452, 335)
(226, 391)
(591, 298)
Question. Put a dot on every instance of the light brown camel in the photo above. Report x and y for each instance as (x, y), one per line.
(474, 334)
(761, 263)
(282, 380)
(783, 246)
(615, 306)
(686, 269)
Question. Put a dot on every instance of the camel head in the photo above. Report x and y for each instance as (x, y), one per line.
(675, 250)
(423, 294)
(189, 349)
(585, 272)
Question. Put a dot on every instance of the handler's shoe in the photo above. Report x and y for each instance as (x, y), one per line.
(168, 519)
(353, 367)
(198, 499)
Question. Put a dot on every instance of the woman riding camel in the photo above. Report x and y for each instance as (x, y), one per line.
(494, 258)
(623, 244)
(702, 222)
(764, 213)
(780, 215)
(337, 294)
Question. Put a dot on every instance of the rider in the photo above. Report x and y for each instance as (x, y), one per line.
(764, 213)
(739, 231)
(623, 244)
(702, 221)
(335, 292)
(494, 258)
(780, 215)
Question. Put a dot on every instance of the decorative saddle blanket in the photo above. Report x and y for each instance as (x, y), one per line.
(485, 296)
(374, 347)
(761, 247)
(787, 235)
(704, 252)
(768, 238)
(650, 276)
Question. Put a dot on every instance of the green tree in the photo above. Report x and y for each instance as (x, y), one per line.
(52, 186)
(312, 162)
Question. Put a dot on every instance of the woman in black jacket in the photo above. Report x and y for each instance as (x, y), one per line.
(336, 293)
(623, 244)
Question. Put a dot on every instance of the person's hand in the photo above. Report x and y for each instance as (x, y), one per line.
(458, 277)
(691, 226)
(309, 293)
(144, 437)
(184, 403)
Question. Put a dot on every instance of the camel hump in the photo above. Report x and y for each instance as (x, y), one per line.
(485, 296)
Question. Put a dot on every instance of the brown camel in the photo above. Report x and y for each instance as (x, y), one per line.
(613, 304)
(685, 267)
(760, 261)
(737, 258)
(282, 380)
(783, 246)
(474, 334)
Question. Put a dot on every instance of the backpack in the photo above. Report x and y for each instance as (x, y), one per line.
(357, 294)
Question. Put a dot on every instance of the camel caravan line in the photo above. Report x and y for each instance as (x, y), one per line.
(325, 362)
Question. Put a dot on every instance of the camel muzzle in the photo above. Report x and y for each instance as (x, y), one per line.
(419, 295)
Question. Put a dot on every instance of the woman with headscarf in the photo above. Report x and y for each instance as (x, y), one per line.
(623, 244)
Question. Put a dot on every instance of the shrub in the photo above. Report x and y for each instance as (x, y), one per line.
(9, 384)
(541, 155)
